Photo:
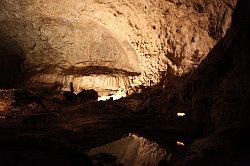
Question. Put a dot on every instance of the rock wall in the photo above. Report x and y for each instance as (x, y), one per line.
(144, 37)
(216, 94)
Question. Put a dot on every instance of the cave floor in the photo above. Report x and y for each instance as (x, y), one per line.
(61, 128)
(49, 130)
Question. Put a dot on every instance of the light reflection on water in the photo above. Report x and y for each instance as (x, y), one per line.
(133, 151)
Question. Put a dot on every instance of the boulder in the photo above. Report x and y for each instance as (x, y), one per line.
(70, 96)
(87, 95)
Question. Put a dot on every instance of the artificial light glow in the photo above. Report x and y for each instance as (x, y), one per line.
(121, 93)
(180, 143)
(181, 114)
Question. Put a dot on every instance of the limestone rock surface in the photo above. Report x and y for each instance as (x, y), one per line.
(142, 38)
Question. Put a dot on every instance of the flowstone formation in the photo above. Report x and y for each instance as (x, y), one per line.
(106, 45)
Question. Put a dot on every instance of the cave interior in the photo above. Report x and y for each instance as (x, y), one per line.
(124, 83)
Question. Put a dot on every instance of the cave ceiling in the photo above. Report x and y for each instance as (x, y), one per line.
(108, 44)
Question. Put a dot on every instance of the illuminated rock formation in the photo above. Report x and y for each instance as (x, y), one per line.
(140, 38)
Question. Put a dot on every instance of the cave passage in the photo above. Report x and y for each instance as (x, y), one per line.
(11, 65)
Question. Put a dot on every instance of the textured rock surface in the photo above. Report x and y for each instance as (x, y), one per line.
(216, 94)
(136, 36)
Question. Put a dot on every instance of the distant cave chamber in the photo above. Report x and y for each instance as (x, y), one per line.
(108, 82)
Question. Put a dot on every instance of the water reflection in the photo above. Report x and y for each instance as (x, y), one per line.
(131, 151)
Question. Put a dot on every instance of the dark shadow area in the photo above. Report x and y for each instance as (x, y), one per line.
(31, 151)
(11, 63)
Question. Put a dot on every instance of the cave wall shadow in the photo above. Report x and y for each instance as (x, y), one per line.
(15, 70)
(12, 59)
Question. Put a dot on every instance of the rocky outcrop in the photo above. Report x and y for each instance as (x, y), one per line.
(104, 84)
(87, 95)
(143, 37)
(216, 93)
